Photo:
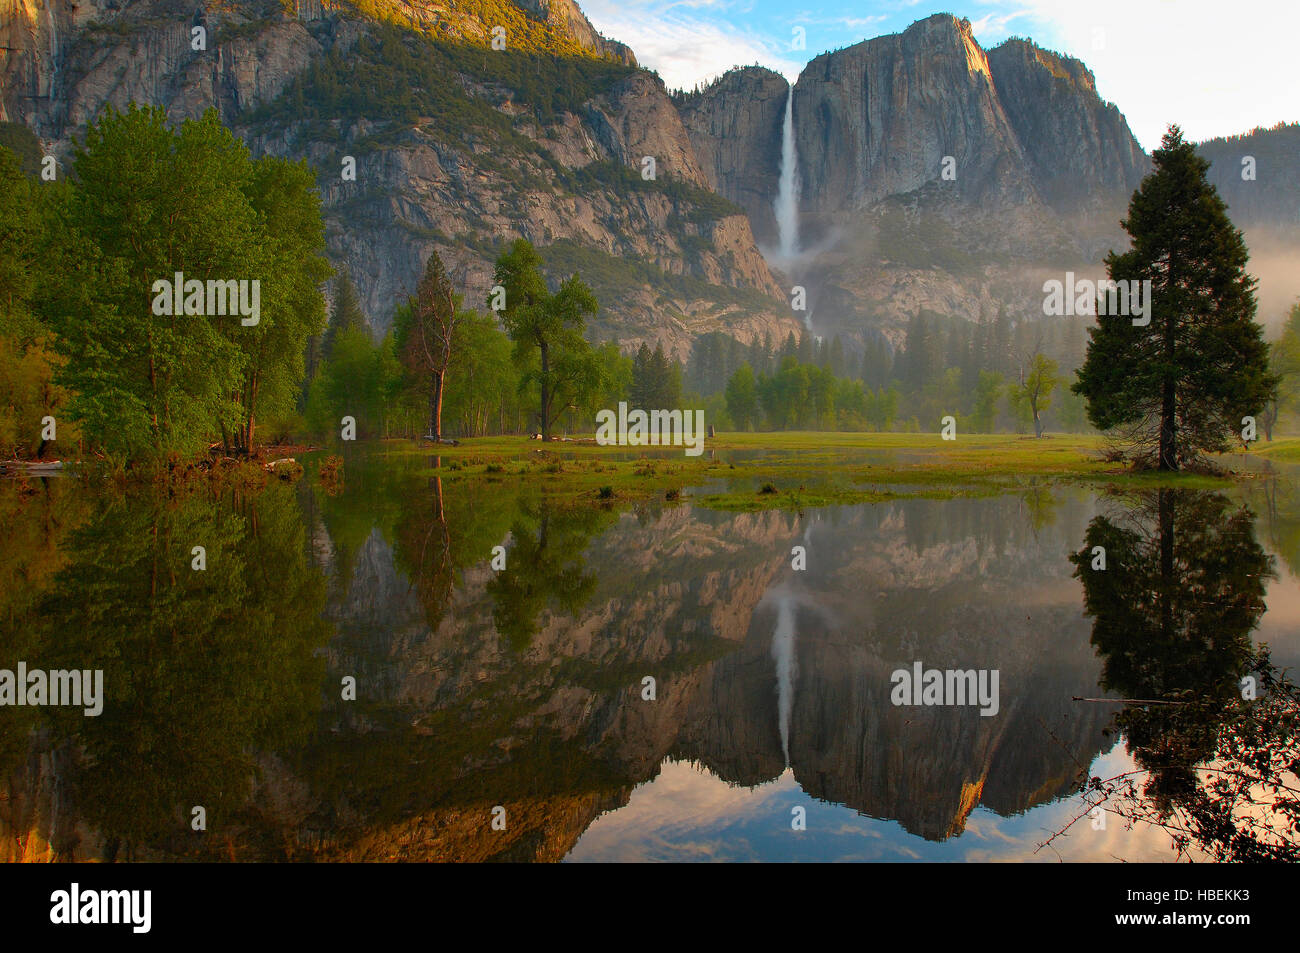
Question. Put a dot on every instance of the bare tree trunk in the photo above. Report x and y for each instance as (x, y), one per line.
(435, 406)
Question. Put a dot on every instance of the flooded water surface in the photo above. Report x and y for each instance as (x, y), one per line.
(414, 668)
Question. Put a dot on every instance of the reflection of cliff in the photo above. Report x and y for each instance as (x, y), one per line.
(455, 719)
(452, 717)
(963, 585)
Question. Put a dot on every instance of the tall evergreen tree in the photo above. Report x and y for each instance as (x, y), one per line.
(641, 393)
(1181, 384)
(345, 313)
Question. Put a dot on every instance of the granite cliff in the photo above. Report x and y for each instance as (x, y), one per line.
(455, 149)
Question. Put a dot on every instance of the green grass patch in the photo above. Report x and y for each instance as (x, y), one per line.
(798, 469)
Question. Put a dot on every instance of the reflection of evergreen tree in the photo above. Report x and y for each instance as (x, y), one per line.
(544, 568)
(201, 669)
(1172, 615)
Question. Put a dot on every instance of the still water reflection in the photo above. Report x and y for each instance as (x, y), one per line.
(525, 688)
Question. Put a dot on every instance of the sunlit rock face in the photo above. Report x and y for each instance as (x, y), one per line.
(735, 128)
(877, 119)
(933, 175)
(422, 190)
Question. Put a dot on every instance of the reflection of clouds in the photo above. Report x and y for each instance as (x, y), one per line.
(687, 813)
(1280, 624)
(1022, 834)
(678, 816)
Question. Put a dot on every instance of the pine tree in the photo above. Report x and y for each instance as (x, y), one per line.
(641, 394)
(346, 312)
(1180, 385)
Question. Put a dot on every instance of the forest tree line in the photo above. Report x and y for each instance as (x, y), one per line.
(85, 362)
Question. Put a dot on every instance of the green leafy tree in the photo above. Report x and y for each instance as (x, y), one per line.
(882, 408)
(148, 202)
(784, 396)
(483, 393)
(553, 325)
(20, 236)
(291, 267)
(1284, 358)
(1180, 385)
(349, 384)
(742, 397)
(28, 363)
(1036, 389)
(617, 373)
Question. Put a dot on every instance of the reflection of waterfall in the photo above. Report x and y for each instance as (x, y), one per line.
(783, 655)
(787, 196)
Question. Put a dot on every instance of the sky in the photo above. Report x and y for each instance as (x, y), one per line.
(1214, 67)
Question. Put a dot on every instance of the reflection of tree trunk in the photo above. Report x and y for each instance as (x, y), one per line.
(1167, 580)
(436, 580)
(546, 391)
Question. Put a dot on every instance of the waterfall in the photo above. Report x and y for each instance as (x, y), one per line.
(783, 655)
(54, 47)
(787, 196)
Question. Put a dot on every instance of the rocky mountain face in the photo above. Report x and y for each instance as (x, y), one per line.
(1079, 150)
(933, 175)
(736, 132)
(878, 118)
(479, 155)
(1258, 176)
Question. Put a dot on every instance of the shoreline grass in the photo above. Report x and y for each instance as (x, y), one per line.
(803, 469)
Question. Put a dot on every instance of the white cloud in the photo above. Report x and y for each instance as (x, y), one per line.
(686, 48)
(1214, 68)
(843, 22)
